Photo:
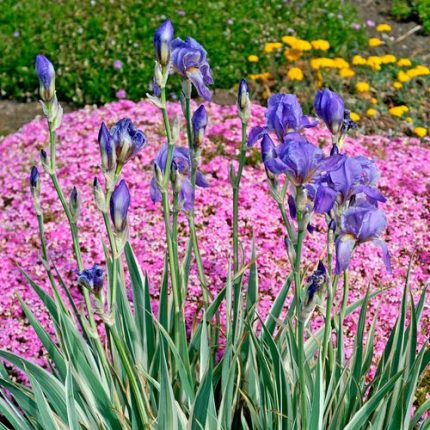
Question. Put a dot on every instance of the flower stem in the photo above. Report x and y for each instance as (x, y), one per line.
(330, 294)
(300, 323)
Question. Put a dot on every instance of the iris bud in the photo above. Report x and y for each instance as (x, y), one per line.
(92, 278)
(44, 161)
(199, 123)
(119, 203)
(291, 252)
(334, 150)
(35, 189)
(301, 199)
(46, 74)
(243, 101)
(99, 196)
(74, 204)
(107, 149)
(127, 140)
(163, 37)
(330, 107)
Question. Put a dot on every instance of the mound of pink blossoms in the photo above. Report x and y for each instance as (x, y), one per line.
(405, 171)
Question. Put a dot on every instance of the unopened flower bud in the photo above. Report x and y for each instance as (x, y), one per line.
(45, 162)
(158, 75)
(175, 129)
(35, 189)
(232, 174)
(107, 149)
(46, 74)
(186, 88)
(175, 177)
(301, 199)
(119, 203)
(74, 204)
(199, 123)
(314, 284)
(243, 101)
(99, 196)
(127, 140)
(163, 37)
(291, 252)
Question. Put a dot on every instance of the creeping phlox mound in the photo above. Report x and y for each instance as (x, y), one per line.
(405, 173)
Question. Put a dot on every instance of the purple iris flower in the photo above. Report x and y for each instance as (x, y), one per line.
(46, 74)
(199, 123)
(330, 107)
(34, 177)
(189, 60)
(181, 165)
(107, 149)
(355, 175)
(127, 140)
(299, 159)
(360, 223)
(119, 203)
(284, 115)
(163, 37)
(92, 278)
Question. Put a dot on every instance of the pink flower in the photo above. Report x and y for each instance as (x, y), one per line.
(117, 64)
(121, 94)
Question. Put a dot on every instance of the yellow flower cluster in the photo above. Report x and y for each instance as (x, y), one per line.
(383, 28)
(388, 59)
(261, 76)
(373, 61)
(346, 73)
(329, 63)
(362, 87)
(404, 62)
(272, 46)
(292, 54)
(253, 59)
(420, 131)
(296, 43)
(371, 112)
(295, 74)
(320, 45)
(374, 42)
(418, 71)
(398, 111)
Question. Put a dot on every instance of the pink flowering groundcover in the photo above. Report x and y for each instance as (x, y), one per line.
(405, 172)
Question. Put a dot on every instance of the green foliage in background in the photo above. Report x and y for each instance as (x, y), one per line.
(413, 9)
(86, 37)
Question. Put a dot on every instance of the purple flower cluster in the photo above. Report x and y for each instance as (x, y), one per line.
(181, 169)
(338, 185)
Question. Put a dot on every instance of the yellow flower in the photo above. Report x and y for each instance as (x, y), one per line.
(371, 112)
(302, 45)
(373, 101)
(362, 87)
(358, 60)
(253, 59)
(272, 46)
(397, 85)
(322, 63)
(418, 71)
(289, 40)
(409, 120)
(398, 110)
(320, 45)
(373, 42)
(403, 77)
(295, 74)
(340, 63)
(292, 54)
(354, 116)
(420, 131)
(383, 28)
(260, 76)
(388, 59)
(374, 62)
(346, 73)
(404, 62)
